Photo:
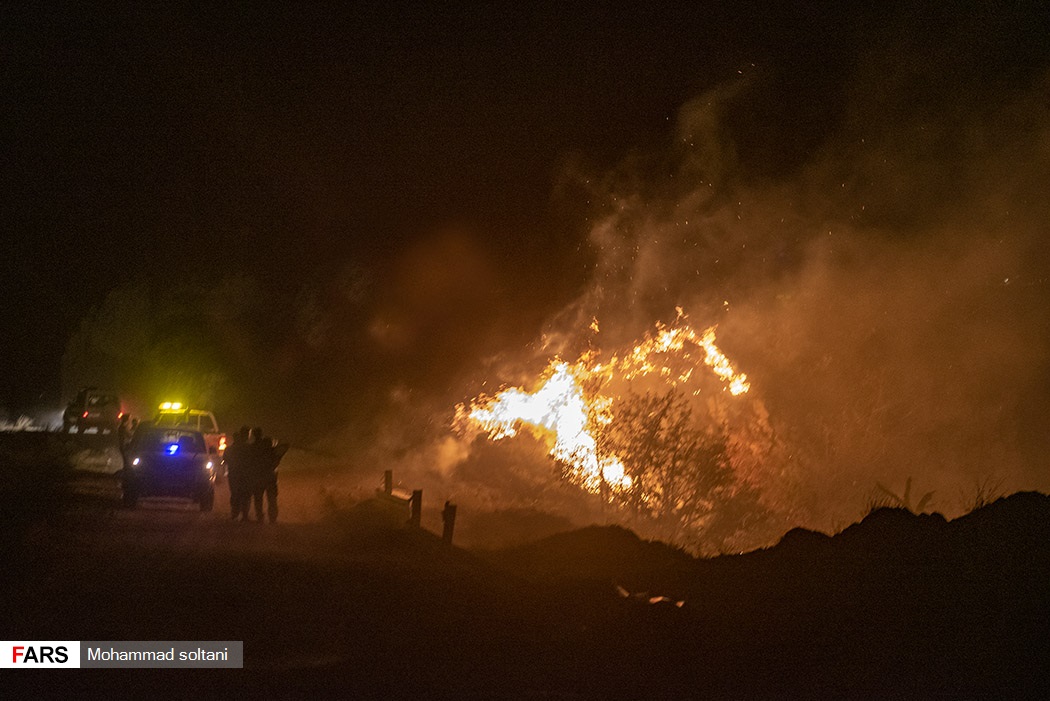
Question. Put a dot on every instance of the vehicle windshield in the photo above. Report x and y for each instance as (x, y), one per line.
(173, 419)
(101, 400)
(157, 441)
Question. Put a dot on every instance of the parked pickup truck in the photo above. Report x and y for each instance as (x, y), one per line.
(175, 415)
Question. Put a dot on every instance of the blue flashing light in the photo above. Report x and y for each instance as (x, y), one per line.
(173, 448)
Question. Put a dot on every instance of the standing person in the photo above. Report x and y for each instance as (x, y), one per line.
(261, 458)
(124, 435)
(270, 488)
(267, 454)
(238, 473)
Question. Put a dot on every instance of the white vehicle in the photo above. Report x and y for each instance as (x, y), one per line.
(175, 415)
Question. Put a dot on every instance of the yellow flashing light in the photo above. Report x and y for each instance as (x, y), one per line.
(171, 406)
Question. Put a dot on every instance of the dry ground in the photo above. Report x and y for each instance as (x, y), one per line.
(355, 605)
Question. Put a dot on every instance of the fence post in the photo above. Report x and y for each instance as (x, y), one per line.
(416, 507)
(448, 516)
(388, 481)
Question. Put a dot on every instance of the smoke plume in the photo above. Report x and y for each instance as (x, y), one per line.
(887, 299)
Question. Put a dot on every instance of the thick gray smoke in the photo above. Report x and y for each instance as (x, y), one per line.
(887, 299)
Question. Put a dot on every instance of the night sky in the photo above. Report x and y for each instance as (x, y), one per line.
(301, 147)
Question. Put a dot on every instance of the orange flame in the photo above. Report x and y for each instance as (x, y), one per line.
(561, 412)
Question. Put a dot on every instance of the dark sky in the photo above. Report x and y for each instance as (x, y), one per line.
(285, 142)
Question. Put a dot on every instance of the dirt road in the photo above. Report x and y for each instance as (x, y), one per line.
(353, 604)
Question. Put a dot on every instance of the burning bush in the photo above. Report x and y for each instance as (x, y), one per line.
(683, 487)
(648, 433)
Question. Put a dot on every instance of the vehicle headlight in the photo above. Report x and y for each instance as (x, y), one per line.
(136, 462)
(209, 466)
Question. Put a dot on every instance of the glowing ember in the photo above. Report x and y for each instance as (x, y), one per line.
(570, 418)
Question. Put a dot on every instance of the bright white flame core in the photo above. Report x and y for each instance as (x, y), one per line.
(560, 410)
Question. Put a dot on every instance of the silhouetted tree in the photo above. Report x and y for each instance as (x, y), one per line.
(682, 483)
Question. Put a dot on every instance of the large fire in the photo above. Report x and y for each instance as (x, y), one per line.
(570, 406)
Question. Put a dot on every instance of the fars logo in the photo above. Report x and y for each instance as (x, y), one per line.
(28, 654)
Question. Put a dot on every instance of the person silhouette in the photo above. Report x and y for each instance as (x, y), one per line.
(238, 466)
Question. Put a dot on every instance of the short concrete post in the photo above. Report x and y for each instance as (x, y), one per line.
(415, 505)
(388, 481)
(448, 517)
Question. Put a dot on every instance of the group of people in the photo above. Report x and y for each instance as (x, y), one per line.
(251, 461)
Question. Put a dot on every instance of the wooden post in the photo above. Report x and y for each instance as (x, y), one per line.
(388, 481)
(448, 516)
(415, 505)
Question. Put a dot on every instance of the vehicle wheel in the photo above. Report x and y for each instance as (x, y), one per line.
(207, 501)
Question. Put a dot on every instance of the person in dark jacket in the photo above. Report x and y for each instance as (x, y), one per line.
(237, 459)
(266, 456)
(124, 436)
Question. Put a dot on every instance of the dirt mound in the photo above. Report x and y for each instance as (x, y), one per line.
(1024, 515)
(602, 554)
(507, 528)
